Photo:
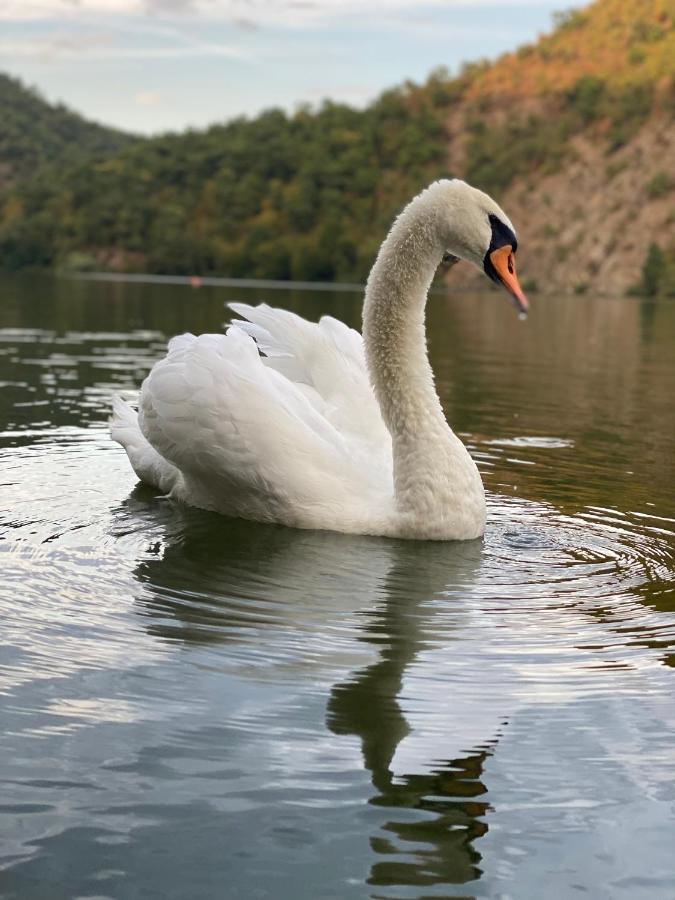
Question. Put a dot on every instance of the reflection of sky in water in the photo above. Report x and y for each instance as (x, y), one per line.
(191, 704)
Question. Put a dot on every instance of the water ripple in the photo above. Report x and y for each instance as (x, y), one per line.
(182, 693)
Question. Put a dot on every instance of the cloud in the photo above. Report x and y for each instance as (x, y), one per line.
(57, 44)
(148, 98)
(256, 13)
(170, 7)
(245, 24)
(28, 10)
(60, 44)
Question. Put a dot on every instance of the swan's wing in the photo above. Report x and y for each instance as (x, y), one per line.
(247, 433)
(326, 361)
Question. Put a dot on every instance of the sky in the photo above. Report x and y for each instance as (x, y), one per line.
(155, 65)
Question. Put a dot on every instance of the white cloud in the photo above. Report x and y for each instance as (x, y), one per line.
(22, 10)
(148, 98)
(106, 45)
(291, 13)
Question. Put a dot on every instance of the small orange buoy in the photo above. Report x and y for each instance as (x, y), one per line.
(195, 281)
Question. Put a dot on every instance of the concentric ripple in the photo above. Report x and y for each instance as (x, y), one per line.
(196, 706)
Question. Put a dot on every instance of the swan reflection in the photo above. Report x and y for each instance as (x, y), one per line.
(319, 600)
(435, 815)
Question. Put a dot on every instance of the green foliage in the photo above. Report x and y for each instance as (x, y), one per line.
(34, 133)
(471, 69)
(625, 110)
(307, 196)
(497, 155)
(586, 96)
(660, 185)
(441, 88)
(633, 103)
(658, 273)
(79, 261)
(521, 145)
(647, 32)
(591, 99)
(569, 19)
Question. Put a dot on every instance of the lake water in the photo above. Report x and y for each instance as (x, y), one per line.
(195, 707)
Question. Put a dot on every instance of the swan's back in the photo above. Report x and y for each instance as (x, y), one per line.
(293, 436)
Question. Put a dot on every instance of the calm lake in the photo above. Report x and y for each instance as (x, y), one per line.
(195, 707)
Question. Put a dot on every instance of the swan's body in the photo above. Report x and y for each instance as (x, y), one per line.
(326, 429)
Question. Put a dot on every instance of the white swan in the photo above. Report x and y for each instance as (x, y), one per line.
(321, 428)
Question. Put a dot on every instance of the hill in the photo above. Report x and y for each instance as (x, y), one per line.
(590, 131)
(306, 197)
(34, 133)
(573, 135)
(622, 43)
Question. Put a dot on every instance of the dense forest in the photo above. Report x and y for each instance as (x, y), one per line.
(309, 195)
(303, 196)
(34, 133)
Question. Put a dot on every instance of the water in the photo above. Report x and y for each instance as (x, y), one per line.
(198, 707)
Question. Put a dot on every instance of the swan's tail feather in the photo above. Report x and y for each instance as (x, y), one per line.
(276, 331)
(146, 462)
(280, 333)
(123, 418)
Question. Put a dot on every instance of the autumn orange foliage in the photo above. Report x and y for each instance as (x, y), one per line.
(621, 41)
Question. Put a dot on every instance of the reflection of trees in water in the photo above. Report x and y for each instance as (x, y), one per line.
(215, 578)
(597, 372)
(429, 841)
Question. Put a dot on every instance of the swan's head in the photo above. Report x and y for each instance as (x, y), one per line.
(474, 228)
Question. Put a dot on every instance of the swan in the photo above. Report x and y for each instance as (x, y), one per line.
(311, 425)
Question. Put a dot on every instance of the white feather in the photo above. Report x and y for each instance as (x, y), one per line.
(276, 420)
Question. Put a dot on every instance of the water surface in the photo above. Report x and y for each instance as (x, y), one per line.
(199, 707)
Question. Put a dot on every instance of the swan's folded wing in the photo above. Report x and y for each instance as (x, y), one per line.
(327, 362)
(226, 420)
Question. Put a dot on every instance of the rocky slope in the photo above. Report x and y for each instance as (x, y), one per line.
(589, 226)
(599, 195)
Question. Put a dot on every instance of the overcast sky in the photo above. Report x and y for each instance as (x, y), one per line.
(153, 65)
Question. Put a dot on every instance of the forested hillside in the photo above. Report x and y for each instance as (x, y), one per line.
(306, 196)
(575, 136)
(33, 133)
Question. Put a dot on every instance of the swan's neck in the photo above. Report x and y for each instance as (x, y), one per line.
(430, 462)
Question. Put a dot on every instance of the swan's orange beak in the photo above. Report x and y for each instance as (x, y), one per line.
(504, 263)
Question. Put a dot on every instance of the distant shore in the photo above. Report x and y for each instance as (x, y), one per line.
(197, 281)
